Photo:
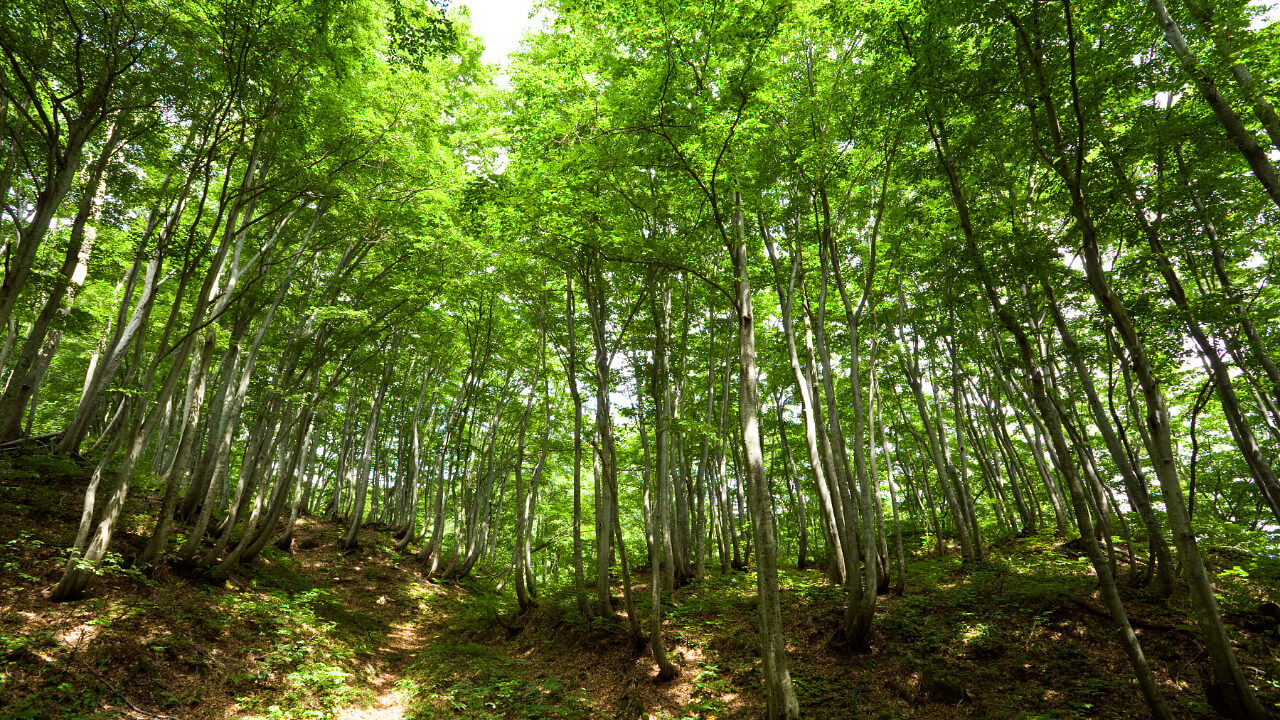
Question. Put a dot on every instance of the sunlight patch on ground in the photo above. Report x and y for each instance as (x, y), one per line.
(386, 706)
(73, 637)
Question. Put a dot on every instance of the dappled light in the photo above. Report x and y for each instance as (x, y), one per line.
(698, 360)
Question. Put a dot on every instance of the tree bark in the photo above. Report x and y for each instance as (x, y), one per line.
(1239, 135)
(781, 695)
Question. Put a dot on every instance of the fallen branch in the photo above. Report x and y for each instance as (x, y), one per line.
(46, 440)
(124, 697)
(1134, 621)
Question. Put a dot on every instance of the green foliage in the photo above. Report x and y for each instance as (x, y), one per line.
(303, 670)
(709, 689)
(470, 680)
(52, 467)
(1247, 563)
(343, 205)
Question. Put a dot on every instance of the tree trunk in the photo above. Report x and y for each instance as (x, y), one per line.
(605, 502)
(659, 520)
(781, 695)
(1134, 479)
(571, 372)
(35, 353)
(825, 500)
(1231, 689)
(351, 536)
(1253, 153)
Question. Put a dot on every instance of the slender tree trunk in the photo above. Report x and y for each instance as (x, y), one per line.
(35, 353)
(579, 582)
(1230, 689)
(518, 554)
(1239, 135)
(1135, 482)
(605, 502)
(899, 586)
(1049, 413)
(796, 491)
(781, 695)
(825, 500)
(659, 520)
(192, 404)
(1241, 429)
(351, 535)
(939, 462)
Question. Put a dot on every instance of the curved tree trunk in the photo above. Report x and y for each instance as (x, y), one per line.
(1230, 687)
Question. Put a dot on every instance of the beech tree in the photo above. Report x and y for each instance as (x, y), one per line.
(739, 285)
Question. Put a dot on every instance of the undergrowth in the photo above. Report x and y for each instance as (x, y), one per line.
(303, 637)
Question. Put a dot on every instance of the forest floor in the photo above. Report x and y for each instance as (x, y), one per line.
(317, 634)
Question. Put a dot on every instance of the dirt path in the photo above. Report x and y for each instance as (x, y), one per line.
(403, 645)
(375, 582)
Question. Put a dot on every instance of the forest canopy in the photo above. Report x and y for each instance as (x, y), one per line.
(699, 288)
